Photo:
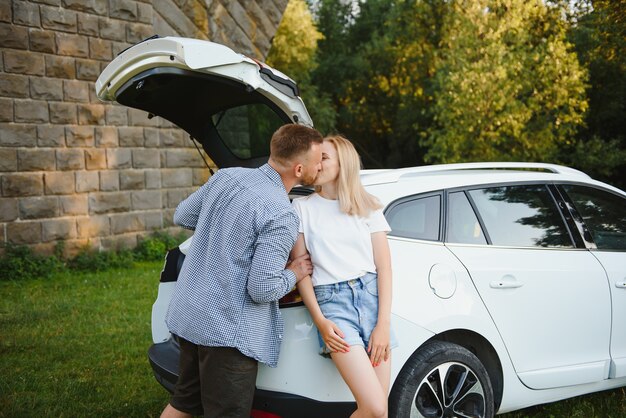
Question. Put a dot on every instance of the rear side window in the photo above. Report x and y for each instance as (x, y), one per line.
(521, 216)
(418, 218)
(604, 215)
(463, 225)
(246, 130)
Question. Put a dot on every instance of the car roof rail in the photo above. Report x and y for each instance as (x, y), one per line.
(390, 176)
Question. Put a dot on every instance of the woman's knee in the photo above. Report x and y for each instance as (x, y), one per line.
(376, 408)
(381, 411)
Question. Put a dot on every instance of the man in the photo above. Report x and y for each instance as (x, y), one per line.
(225, 306)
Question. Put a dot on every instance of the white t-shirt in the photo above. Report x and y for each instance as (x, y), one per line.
(340, 245)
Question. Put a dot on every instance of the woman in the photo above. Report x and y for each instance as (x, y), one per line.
(349, 293)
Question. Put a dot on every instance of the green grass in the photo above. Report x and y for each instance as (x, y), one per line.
(74, 345)
(607, 404)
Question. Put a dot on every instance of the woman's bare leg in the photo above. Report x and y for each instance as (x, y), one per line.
(357, 371)
(383, 372)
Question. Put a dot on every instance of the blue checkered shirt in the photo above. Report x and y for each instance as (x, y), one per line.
(234, 273)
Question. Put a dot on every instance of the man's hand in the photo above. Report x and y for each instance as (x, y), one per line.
(301, 266)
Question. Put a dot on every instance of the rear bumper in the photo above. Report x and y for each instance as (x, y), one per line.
(163, 358)
(293, 406)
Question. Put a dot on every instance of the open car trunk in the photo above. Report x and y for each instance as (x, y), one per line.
(229, 103)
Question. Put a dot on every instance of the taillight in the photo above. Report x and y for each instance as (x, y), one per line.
(292, 298)
(255, 413)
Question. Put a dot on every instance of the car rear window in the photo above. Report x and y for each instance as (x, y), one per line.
(603, 213)
(521, 216)
(463, 225)
(246, 130)
(418, 218)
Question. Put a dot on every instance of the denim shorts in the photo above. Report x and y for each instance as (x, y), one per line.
(353, 306)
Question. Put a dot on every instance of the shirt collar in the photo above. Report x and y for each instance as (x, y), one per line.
(269, 171)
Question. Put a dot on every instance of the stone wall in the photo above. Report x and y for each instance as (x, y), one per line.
(73, 168)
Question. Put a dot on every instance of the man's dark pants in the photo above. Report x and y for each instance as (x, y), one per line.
(214, 381)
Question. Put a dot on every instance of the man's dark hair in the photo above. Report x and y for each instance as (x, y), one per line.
(290, 141)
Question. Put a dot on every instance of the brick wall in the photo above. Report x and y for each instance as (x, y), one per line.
(73, 168)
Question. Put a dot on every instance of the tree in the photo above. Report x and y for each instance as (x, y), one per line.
(507, 84)
(599, 34)
(417, 81)
(361, 66)
(293, 52)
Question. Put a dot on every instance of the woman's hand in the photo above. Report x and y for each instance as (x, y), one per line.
(332, 336)
(378, 346)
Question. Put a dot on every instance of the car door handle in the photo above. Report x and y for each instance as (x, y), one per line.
(621, 285)
(507, 282)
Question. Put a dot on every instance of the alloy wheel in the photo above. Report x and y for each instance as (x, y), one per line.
(450, 390)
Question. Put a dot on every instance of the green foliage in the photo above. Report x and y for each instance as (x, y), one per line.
(335, 59)
(20, 261)
(509, 87)
(447, 81)
(599, 35)
(598, 31)
(295, 42)
(384, 57)
(91, 260)
(346, 66)
(155, 247)
(293, 52)
(601, 158)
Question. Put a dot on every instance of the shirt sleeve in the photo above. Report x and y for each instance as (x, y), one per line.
(376, 222)
(268, 279)
(188, 211)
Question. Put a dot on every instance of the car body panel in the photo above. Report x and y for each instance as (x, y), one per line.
(200, 56)
(415, 300)
(381, 176)
(163, 52)
(160, 332)
(415, 183)
(614, 263)
(517, 396)
(560, 291)
(303, 371)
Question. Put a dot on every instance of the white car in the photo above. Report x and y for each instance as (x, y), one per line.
(509, 282)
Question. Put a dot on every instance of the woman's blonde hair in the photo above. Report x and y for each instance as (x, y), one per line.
(353, 199)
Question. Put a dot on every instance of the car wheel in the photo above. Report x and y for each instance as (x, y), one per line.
(442, 380)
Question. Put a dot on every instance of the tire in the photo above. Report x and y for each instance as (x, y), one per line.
(442, 380)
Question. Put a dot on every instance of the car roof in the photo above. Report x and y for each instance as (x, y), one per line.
(389, 185)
